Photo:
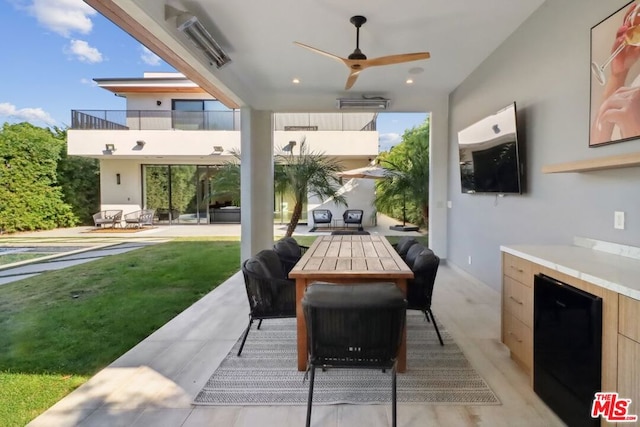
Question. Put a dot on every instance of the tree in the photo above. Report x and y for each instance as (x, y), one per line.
(307, 174)
(30, 197)
(79, 178)
(406, 190)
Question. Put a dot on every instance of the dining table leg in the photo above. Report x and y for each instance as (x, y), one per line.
(301, 285)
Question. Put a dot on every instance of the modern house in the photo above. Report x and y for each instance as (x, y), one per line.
(164, 150)
(575, 220)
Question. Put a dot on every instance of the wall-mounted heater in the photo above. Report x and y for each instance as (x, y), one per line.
(192, 28)
(374, 103)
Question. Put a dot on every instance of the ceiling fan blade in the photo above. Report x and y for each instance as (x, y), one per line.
(395, 59)
(353, 76)
(321, 52)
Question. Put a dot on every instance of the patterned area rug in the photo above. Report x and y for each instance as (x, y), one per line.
(266, 373)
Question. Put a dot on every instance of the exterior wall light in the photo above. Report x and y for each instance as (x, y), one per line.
(140, 143)
(118, 178)
(110, 147)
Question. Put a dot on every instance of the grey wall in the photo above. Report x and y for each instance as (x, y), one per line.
(544, 67)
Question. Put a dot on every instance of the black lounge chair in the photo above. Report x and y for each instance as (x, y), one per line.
(354, 326)
(321, 216)
(353, 216)
(271, 295)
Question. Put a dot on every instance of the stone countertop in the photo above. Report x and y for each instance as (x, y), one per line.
(610, 271)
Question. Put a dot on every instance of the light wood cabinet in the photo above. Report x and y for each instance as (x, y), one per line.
(517, 310)
(629, 352)
(620, 324)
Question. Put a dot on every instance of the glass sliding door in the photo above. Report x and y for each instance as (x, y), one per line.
(157, 190)
(172, 191)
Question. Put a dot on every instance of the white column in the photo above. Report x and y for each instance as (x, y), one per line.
(438, 176)
(256, 182)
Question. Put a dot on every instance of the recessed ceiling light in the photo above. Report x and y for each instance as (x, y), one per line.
(409, 81)
(295, 81)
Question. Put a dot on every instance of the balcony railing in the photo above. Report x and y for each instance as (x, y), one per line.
(155, 120)
(215, 120)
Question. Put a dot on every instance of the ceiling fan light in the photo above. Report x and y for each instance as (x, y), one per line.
(377, 103)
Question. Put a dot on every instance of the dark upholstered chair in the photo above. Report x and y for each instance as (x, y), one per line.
(354, 326)
(289, 252)
(350, 232)
(403, 245)
(420, 288)
(353, 216)
(413, 252)
(322, 216)
(271, 295)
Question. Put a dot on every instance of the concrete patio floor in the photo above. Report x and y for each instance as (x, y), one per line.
(155, 382)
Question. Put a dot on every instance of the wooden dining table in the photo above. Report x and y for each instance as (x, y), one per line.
(348, 259)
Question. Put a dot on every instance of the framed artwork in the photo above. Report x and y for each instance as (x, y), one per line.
(614, 109)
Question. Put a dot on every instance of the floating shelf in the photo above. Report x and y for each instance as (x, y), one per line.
(595, 164)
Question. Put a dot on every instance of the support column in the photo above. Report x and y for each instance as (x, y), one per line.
(256, 182)
(438, 176)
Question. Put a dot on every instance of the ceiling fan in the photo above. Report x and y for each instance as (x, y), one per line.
(357, 61)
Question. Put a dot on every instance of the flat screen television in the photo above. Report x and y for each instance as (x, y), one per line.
(490, 160)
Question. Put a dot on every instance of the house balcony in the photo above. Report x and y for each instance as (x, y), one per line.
(211, 137)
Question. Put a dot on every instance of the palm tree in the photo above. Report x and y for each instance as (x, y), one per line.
(226, 181)
(307, 174)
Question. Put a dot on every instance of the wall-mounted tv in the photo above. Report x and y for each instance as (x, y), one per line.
(490, 160)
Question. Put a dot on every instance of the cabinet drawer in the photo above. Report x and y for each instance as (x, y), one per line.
(517, 268)
(629, 317)
(519, 339)
(518, 300)
(629, 371)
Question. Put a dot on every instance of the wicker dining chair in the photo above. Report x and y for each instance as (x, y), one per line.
(271, 295)
(354, 326)
(289, 252)
(420, 288)
(404, 244)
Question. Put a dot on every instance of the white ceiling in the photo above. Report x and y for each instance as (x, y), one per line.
(258, 35)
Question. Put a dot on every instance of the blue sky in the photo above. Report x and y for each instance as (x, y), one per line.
(53, 49)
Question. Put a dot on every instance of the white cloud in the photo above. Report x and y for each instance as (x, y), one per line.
(63, 16)
(388, 140)
(149, 57)
(88, 82)
(31, 115)
(80, 50)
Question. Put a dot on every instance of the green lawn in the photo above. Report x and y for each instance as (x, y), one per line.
(11, 258)
(59, 328)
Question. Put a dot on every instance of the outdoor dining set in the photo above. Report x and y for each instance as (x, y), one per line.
(349, 293)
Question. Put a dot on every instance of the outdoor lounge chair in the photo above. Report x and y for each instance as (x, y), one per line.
(139, 218)
(321, 216)
(353, 216)
(111, 218)
(354, 326)
(271, 295)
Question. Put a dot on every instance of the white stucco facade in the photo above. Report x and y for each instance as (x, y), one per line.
(157, 129)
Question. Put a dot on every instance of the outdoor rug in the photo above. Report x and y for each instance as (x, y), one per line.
(266, 373)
